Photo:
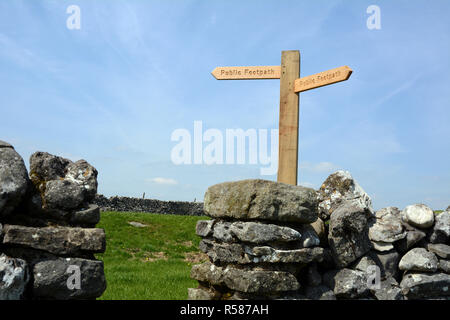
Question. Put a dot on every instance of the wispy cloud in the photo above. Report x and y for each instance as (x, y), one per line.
(321, 167)
(165, 181)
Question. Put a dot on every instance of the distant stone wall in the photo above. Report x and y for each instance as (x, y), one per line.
(149, 205)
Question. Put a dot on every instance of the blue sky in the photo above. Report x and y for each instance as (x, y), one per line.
(113, 91)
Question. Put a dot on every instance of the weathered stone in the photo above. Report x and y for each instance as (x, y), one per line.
(200, 294)
(309, 236)
(4, 144)
(13, 277)
(262, 200)
(382, 246)
(425, 285)
(14, 179)
(56, 279)
(245, 254)
(388, 263)
(419, 259)
(86, 216)
(63, 194)
(256, 232)
(319, 228)
(418, 215)
(45, 167)
(348, 233)
(412, 238)
(339, 188)
(389, 290)
(57, 240)
(85, 175)
(442, 250)
(441, 228)
(347, 283)
(363, 263)
(319, 293)
(257, 282)
(388, 226)
(444, 265)
(204, 228)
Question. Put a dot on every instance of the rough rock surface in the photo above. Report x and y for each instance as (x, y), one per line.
(319, 293)
(389, 290)
(52, 279)
(419, 259)
(347, 283)
(244, 254)
(441, 250)
(13, 278)
(348, 234)
(424, 285)
(57, 240)
(388, 226)
(418, 215)
(259, 282)
(14, 179)
(441, 228)
(261, 199)
(338, 188)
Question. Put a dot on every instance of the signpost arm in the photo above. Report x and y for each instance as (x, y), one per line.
(289, 117)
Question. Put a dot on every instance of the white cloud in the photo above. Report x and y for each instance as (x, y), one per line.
(166, 181)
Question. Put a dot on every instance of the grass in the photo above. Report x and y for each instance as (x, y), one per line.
(151, 262)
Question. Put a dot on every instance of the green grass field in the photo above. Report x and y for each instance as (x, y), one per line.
(151, 262)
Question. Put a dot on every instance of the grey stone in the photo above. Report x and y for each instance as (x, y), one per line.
(388, 226)
(425, 285)
(56, 240)
(389, 290)
(204, 228)
(45, 167)
(388, 263)
(259, 233)
(348, 233)
(418, 259)
(13, 278)
(418, 215)
(85, 175)
(56, 279)
(248, 281)
(245, 254)
(320, 229)
(14, 180)
(444, 265)
(339, 188)
(363, 263)
(86, 216)
(319, 293)
(441, 228)
(261, 200)
(137, 224)
(412, 238)
(200, 294)
(442, 250)
(347, 283)
(63, 194)
(382, 246)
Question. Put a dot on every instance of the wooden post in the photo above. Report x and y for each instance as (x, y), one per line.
(289, 114)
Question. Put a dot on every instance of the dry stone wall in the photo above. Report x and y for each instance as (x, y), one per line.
(129, 204)
(269, 240)
(47, 228)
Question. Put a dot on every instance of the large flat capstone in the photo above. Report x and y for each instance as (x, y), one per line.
(261, 200)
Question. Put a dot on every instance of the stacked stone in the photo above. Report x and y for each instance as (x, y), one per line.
(47, 228)
(258, 241)
(270, 240)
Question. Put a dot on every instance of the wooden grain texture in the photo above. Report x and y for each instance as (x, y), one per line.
(289, 113)
(322, 79)
(246, 73)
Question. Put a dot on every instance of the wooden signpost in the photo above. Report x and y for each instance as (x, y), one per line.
(290, 86)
